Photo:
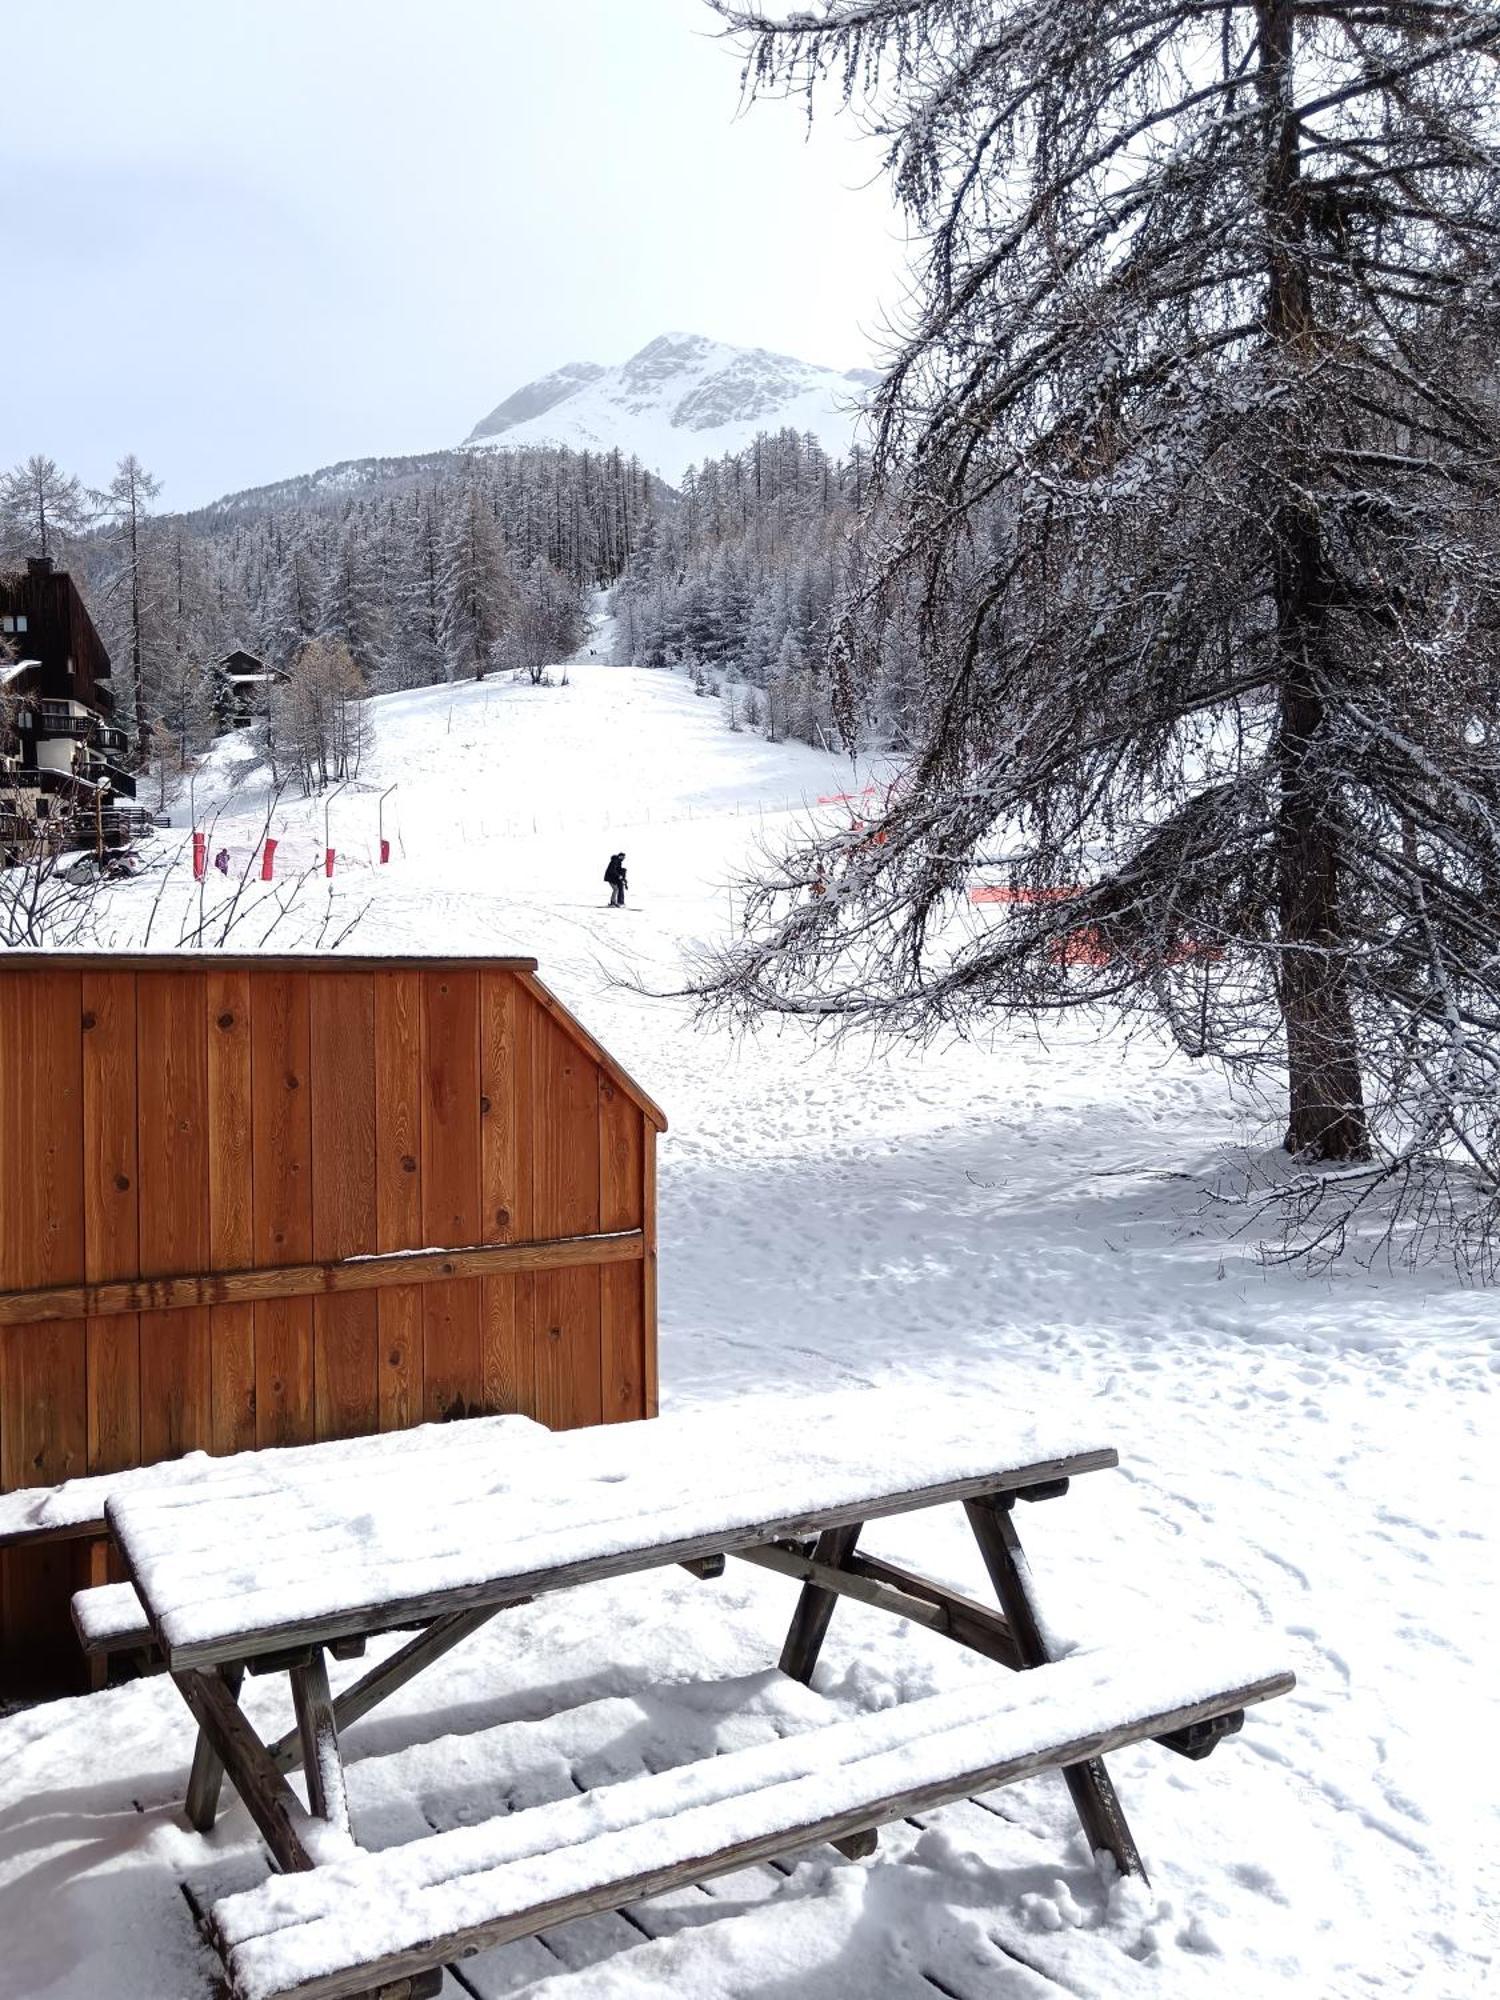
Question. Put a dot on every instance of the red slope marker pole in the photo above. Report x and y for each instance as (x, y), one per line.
(200, 856)
(328, 830)
(268, 861)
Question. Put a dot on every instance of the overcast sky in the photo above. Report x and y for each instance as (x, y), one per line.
(245, 238)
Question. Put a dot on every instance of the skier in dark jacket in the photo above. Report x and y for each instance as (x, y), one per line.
(614, 875)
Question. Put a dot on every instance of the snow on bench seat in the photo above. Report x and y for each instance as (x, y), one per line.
(228, 1569)
(76, 1507)
(110, 1618)
(344, 1927)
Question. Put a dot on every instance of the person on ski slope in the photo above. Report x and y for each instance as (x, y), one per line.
(614, 875)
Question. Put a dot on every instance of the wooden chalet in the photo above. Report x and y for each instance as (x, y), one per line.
(62, 754)
(242, 688)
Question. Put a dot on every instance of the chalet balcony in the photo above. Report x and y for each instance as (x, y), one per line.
(102, 770)
(110, 737)
(64, 718)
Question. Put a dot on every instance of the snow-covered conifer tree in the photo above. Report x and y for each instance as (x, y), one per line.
(39, 505)
(1189, 466)
(127, 500)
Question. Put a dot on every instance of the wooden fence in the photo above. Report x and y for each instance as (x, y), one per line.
(253, 1201)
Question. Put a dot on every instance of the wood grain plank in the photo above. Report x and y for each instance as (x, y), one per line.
(565, 1197)
(344, 1203)
(111, 1215)
(622, 1297)
(505, 1383)
(231, 1202)
(451, 1152)
(172, 1094)
(281, 1140)
(648, 1277)
(524, 1016)
(338, 1276)
(43, 1369)
(398, 1188)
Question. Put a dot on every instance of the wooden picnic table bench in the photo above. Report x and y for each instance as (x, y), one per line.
(264, 1572)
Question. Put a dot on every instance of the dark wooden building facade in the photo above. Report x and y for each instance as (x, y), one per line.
(242, 689)
(62, 755)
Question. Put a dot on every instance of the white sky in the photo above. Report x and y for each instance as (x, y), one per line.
(245, 238)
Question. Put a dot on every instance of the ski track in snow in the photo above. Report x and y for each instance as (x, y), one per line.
(1310, 1455)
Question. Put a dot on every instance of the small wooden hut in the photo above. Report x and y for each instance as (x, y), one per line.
(213, 1173)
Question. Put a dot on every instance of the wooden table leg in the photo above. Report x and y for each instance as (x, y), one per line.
(809, 1626)
(392, 1673)
(283, 1821)
(206, 1779)
(1089, 1784)
(322, 1760)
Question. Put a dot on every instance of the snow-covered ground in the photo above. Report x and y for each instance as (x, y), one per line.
(1314, 1458)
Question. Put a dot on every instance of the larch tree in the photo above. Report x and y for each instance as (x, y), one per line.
(477, 586)
(1186, 475)
(127, 501)
(39, 505)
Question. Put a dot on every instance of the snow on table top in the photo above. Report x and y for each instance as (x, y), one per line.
(78, 1503)
(237, 1558)
(295, 1928)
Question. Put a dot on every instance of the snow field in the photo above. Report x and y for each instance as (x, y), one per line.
(1312, 1457)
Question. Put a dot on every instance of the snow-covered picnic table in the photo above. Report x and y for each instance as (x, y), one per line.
(233, 1567)
(278, 1559)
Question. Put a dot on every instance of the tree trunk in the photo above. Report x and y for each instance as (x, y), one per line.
(137, 665)
(1326, 1111)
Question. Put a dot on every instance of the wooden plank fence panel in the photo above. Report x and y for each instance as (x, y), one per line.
(345, 1219)
(565, 1197)
(450, 1188)
(398, 1189)
(111, 1214)
(43, 1380)
(231, 1202)
(213, 1119)
(622, 1292)
(505, 1384)
(651, 1402)
(282, 1151)
(172, 1094)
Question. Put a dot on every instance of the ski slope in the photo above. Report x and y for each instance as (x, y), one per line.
(1313, 1457)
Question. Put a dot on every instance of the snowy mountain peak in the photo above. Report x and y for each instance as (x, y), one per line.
(536, 398)
(681, 399)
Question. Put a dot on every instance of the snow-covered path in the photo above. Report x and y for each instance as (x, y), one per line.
(1316, 1455)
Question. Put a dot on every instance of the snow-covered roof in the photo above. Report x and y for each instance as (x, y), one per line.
(8, 674)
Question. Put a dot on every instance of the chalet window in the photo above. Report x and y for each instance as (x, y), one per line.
(16, 623)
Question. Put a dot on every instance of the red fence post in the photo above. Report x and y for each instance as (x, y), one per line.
(200, 856)
(268, 861)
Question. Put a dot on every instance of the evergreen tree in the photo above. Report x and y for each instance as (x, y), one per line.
(40, 505)
(1190, 467)
(127, 500)
(477, 588)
